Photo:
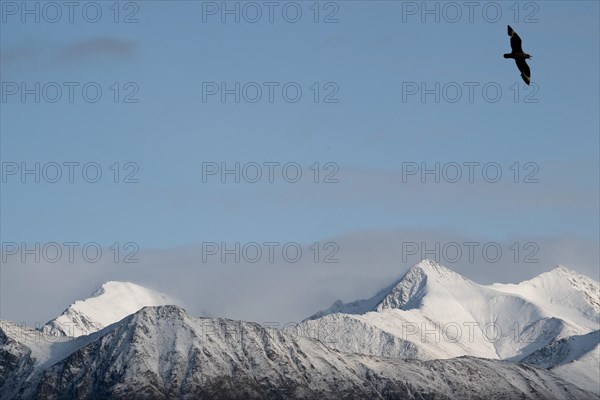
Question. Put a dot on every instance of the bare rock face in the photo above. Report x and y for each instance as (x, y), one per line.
(16, 363)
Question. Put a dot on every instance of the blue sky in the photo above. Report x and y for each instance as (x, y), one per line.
(369, 133)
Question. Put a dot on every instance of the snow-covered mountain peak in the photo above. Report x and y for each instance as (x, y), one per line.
(557, 274)
(434, 272)
(578, 281)
(119, 291)
(561, 287)
(432, 266)
(432, 269)
(112, 302)
(420, 279)
(112, 286)
(405, 293)
(565, 270)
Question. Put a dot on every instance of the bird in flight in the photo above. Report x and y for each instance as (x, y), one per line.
(519, 55)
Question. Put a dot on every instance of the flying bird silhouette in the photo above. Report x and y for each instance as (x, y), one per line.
(519, 55)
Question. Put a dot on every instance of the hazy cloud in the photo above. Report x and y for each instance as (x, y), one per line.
(99, 46)
(19, 53)
(40, 55)
(281, 291)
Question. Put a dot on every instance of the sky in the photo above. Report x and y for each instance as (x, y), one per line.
(332, 112)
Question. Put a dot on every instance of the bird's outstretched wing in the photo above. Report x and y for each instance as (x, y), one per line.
(515, 40)
(525, 71)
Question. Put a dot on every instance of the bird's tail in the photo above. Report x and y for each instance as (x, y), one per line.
(507, 56)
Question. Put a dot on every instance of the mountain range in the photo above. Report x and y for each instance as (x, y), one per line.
(431, 334)
(435, 313)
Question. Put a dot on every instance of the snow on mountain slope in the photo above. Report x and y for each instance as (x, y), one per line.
(582, 371)
(25, 352)
(561, 290)
(162, 352)
(109, 304)
(574, 359)
(433, 312)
